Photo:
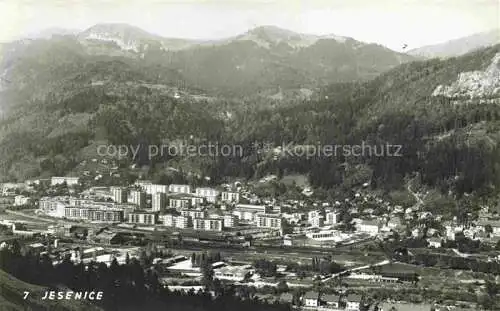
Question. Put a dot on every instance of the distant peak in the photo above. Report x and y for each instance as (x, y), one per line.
(113, 27)
(273, 32)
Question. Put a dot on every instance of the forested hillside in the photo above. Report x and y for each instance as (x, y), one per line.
(61, 101)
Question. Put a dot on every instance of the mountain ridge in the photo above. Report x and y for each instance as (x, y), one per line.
(459, 46)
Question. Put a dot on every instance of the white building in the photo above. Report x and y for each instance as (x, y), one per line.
(230, 221)
(208, 193)
(208, 224)
(194, 213)
(272, 221)
(151, 188)
(248, 212)
(70, 181)
(368, 226)
(167, 219)
(311, 299)
(494, 224)
(179, 188)
(331, 217)
(434, 242)
(233, 273)
(315, 218)
(179, 203)
(119, 194)
(158, 201)
(353, 302)
(327, 235)
(20, 200)
(230, 197)
(144, 218)
(138, 198)
(182, 222)
(197, 200)
(52, 206)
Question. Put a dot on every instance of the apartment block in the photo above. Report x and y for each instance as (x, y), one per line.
(158, 201)
(179, 188)
(230, 197)
(119, 194)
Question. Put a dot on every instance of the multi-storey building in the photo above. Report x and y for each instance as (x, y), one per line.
(368, 226)
(230, 197)
(145, 218)
(269, 221)
(53, 207)
(9, 188)
(196, 200)
(194, 213)
(150, 188)
(182, 222)
(247, 212)
(230, 221)
(138, 198)
(70, 181)
(331, 217)
(158, 201)
(209, 194)
(93, 214)
(214, 224)
(316, 218)
(179, 203)
(20, 200)
(179, 188)
(199, 223)
(119, 194)
(208, 224)
(167, 220)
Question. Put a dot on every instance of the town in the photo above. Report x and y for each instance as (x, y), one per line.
(361, 252)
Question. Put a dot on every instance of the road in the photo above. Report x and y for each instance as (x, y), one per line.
(419, 200)
(382, 263)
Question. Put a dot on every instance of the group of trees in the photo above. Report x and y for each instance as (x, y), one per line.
(325, 265)
(129, 286)
(451, 146)
(442, 260)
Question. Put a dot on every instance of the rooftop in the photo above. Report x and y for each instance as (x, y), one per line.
(311, 295)
(330, 298)
(354, 298)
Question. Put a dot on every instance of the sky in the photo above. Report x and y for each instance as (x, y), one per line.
(393, 23)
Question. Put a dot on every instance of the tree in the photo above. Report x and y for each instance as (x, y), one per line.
(207, 275)
(193, 259)
(488, 229)
(282, 286)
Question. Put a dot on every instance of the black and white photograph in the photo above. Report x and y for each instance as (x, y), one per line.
(249, 155)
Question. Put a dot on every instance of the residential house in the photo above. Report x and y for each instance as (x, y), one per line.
(286, 298)
(354, 302)
(330, 301)
(434, 242)
(311, 299)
